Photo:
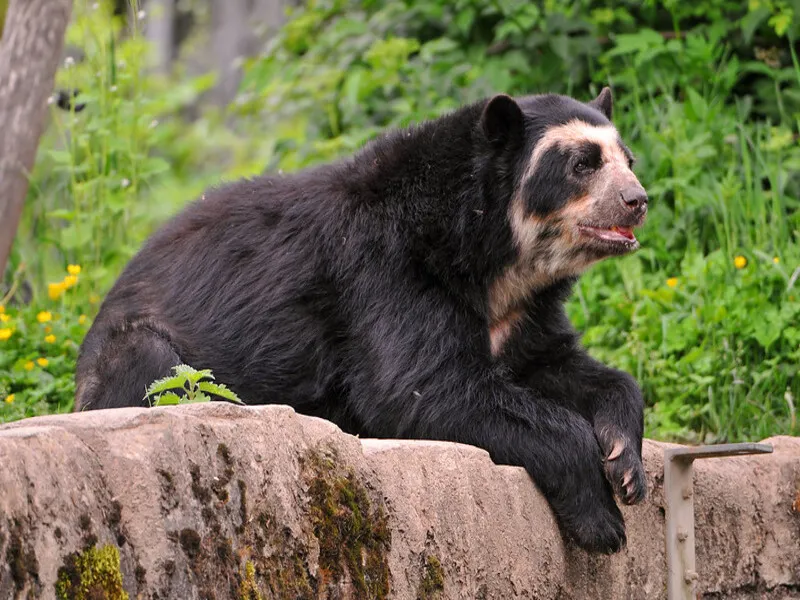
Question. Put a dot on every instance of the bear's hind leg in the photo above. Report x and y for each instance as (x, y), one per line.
(116, 370)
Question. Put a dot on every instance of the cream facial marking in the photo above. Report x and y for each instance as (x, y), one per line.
(575, 132)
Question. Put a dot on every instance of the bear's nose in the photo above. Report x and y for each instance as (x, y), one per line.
(634, 197)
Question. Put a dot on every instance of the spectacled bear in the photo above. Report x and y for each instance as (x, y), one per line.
(413, 290)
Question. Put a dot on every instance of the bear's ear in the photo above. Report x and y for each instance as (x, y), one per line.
(501, 119)
(604, 102)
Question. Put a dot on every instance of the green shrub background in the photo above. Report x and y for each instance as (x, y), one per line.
(707, 93)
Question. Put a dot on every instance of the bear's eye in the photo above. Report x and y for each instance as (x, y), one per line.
(582, 166)
(587, 158)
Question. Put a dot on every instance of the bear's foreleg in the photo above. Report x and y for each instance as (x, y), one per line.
(612, 402)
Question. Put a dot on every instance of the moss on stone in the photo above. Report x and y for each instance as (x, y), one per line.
(21, 560)
(431, 586)
(114, 517)
(141, 575)
(200, 492)
(248, 587)
(354, 537)
(219, 485)
(242, 506)
(91, 573)
(190, 542)
(287, 578)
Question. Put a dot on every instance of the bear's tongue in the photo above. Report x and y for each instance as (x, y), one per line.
(614, 234)
(624, 231)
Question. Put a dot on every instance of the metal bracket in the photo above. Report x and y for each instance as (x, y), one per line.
(679, 496)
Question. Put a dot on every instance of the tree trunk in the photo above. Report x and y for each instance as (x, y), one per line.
(230, 35)
(270, 14)
(159, 28)
(32, 42)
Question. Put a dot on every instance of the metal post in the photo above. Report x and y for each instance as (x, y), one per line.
(679, 496)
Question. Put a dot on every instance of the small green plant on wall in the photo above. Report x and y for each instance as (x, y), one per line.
(188, 386)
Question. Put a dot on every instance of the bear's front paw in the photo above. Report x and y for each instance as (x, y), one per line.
(624, 469)
(593, 520)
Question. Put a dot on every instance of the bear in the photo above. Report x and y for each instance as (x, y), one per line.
(414, 289)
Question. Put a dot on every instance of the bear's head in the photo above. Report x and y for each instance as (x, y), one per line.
(576, 199)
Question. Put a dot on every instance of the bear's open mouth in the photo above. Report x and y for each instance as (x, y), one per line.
(616, 234)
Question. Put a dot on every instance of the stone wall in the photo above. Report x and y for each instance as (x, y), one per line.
(219, 501)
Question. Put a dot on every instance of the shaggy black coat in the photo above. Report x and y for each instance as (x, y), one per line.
(357, 292)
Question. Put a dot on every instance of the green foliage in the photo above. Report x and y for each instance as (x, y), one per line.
(194, 386)
(707, 93)
(715, 347)
(38, 350)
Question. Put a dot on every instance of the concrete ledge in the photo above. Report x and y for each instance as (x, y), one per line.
(219, 501)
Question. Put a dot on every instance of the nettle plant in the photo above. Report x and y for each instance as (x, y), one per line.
(188, 386)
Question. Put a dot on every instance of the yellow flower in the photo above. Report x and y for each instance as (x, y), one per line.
(94, 299)
(2, 309)
(54, 290)
(44, 316)
(5, 333)
(50, 339)
(48, 329)
(28, 365)
(42, 362)
(74, 269)
(776, 260)
(82, 319)
(9, 398)
(70, 281)
(4, 318)
(740, 262)
(672, 282)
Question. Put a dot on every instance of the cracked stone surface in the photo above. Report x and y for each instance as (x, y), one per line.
(220, 501)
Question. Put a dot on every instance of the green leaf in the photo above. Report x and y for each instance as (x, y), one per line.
(198, 397)
(61, 156)
(781, 22)
(153, 166)
(464, 20)
(768, 328)
(698, 105)
(628, 43)
(61, 213)
(191, 374)
(439, 46)
(168, 399)
(752, 21)
(220, 390)
(200, 375)
(167, 383)
(73, 237)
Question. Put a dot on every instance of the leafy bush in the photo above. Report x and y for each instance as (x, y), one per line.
(707, 93)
